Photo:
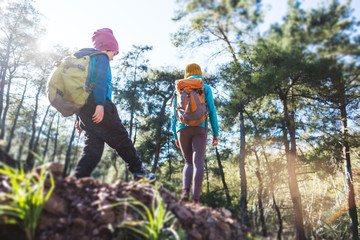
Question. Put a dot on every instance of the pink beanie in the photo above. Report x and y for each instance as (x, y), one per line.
(103, 39)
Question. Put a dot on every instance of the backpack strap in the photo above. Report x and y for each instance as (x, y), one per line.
(172, 99)
(188, 102)
(69, 64)
(207, 110)
(90, 80)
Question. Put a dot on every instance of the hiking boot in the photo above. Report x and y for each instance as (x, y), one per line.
(184, 196)
(195, 201)
(144, 176)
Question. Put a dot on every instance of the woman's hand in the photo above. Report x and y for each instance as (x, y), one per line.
(215, 141)
(98, 116)
(177, 143)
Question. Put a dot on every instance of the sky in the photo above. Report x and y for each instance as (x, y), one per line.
(71, 23)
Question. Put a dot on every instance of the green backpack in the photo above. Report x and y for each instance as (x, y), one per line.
(68, 85)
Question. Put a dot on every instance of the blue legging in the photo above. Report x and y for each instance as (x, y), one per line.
(192, 142)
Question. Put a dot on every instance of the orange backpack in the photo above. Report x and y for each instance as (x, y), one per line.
(191, 108)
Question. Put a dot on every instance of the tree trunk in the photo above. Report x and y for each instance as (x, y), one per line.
(48, 137)
(7, 105)
(30, 158)
(135, 132)
(68, 153)
(243, 193)
(75, 154)
(222, 175)
(113, 161)
(292, 180)
(348, 173)
(12, 131)
(272, 184)
(130, 135)
(169, 158)
(36, 144)
(4, 68)
(260, 196)
(157, 151)
(207, 175)
(21, 147)
(270, 171)
(56, 139)
(158, 139)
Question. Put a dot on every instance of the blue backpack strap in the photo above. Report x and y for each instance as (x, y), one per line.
(92, 67)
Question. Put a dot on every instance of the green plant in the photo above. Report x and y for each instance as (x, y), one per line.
(27, 197)
(156, 223)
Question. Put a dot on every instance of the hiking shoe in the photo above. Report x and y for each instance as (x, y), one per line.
(195, 201)
(144, 176)
(184, 196)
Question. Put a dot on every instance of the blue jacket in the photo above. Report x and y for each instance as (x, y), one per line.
(177, 125)
(100, 75)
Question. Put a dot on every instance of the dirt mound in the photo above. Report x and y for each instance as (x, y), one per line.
(79, 209)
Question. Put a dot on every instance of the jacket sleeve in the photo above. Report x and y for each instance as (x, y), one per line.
(212, 111)
(172, 116)
(102, 66)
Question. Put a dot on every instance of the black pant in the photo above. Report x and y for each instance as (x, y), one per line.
(111, 131)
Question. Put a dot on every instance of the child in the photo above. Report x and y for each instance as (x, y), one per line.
(99, 117)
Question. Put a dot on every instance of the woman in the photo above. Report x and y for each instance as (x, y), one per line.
(192, 139)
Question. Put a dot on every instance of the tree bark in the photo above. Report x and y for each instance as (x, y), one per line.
(21, 147)
(113, 161)
(7, 105)
(30, 157)
(207, 175)
(56, 139)
(291, 165)
(68, 153)
(348, 173)
(243, 185)
(260, 196)
(48, 137)
(12, 131)
(130, 135)
(169, 158)
(4, 68)
(36, 143)
(222, 175)
(75, 154)
(270, 171)
(158, 138)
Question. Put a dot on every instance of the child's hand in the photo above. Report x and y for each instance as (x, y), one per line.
(99, 114)
(77, 126)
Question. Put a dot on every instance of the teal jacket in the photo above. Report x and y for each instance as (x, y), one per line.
(177, 125)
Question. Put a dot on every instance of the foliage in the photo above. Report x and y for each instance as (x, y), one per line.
(27, 196)
(156, 223)
(312, 57)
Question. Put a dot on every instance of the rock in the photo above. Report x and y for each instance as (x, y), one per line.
(79, 209)
(107, 216)
(183, 214)
(55, 168)
(195, 234)
(56, 205)
(78, 226)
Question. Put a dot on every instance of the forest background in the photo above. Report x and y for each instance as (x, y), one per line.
(287, 96)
